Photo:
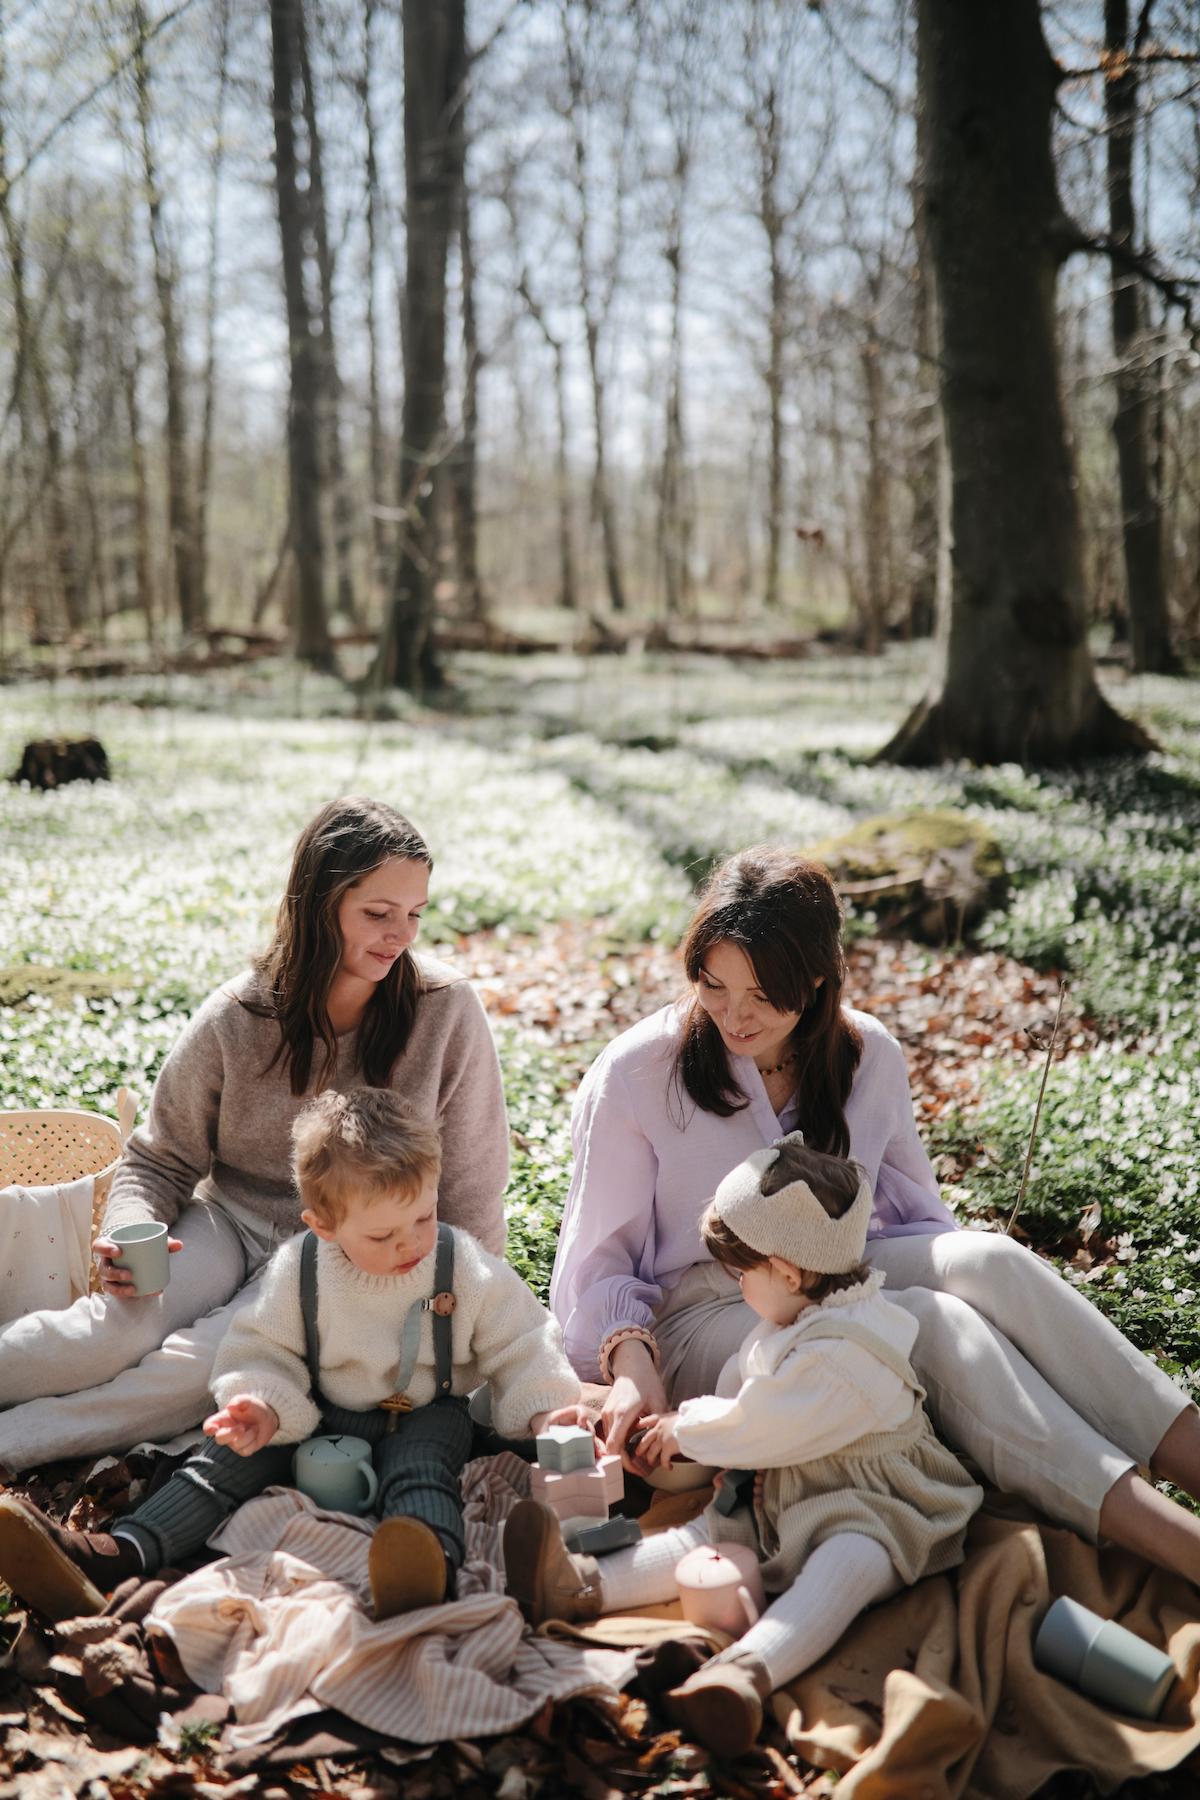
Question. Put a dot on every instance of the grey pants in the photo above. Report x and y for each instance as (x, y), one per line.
(1020, 1371)
(418, 1465)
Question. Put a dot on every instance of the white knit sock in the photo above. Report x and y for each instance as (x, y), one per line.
(645, 1574)
(841, 1578)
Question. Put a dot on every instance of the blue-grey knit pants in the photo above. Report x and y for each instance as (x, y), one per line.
(418, 1465)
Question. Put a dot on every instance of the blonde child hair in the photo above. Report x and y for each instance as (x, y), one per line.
(364, 1145)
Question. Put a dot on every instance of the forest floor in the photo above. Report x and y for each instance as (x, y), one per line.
(570, 810)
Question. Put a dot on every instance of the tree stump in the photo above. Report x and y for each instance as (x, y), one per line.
(926, 875)
(51, 762)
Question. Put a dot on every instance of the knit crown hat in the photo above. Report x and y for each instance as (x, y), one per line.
(792, 1223)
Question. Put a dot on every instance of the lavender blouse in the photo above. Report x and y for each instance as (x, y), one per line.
(647, 1161)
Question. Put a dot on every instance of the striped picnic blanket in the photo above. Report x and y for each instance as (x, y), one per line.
(281, 1626)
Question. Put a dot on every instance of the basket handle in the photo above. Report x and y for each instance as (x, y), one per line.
(126, 1112)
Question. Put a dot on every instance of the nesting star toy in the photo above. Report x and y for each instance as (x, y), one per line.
(571, 1479)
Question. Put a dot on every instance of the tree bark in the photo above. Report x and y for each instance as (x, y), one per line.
(181, 518)
(1133, 419)
(1016, 681)
(329, 442)
(304, 464)
(380, 536)
(208, 418)
(434, 68)
(464, 471)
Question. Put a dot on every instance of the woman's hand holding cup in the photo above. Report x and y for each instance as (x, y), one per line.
(244, 1425)
(117, 1280)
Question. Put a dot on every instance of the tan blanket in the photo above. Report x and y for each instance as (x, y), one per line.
(934, 1695)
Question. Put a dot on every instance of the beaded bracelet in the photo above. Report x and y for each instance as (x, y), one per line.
(626, 1334)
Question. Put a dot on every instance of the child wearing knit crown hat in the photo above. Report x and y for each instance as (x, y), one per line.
(856, 1495)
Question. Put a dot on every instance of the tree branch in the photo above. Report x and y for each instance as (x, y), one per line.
(94, 93)
(1177, 290)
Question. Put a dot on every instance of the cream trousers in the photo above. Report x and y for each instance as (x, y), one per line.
(1021, 1372)
(104, 1374)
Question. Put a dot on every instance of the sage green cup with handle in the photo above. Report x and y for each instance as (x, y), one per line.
(336, 1472)
(143, 1251)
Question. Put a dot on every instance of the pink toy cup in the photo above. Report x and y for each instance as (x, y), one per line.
(720, 1587)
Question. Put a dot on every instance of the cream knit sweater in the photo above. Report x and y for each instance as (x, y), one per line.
(220, 1121)
(501, 1333)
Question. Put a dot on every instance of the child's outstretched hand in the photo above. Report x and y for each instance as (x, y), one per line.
(244, 1425)
(657, 1444)
(562, 1415)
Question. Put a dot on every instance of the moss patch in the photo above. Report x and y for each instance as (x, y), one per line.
(22, 981)
(928, 873)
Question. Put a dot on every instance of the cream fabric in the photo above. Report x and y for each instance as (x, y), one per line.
(45, 1246)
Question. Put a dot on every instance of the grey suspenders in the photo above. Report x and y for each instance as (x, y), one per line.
(440, 1303)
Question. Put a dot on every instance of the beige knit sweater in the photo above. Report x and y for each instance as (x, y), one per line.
(500, 1333)
(220, 1123)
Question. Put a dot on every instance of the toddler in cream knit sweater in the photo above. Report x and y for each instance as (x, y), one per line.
(377, 1323)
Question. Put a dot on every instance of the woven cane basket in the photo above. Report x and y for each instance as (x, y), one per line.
(41, 1149)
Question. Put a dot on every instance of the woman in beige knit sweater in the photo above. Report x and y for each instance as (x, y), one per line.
(338, 994)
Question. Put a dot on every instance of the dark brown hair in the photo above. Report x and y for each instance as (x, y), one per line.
(833, 1182)
(783, 912)
(361, 1145)
(347, 840)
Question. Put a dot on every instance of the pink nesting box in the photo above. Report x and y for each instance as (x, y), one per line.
(585, 1492)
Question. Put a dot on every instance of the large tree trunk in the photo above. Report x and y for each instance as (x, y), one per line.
(929, 553)
(304, 463)
(1016, 681)
(180, 514)
(434, 68)
(1141, 521)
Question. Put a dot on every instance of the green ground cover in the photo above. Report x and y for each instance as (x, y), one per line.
(558, 789)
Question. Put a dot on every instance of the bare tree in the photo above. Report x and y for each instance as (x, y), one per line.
(1016, 681)
(598, 272)
(768, 68)
(1150, 637)
(181, 517)
(375, 448)
(330, 448)
(434, 67)
(215, 170)
(304, 465)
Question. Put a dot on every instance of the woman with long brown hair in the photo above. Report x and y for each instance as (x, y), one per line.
(338, 996)
(1021, 1372)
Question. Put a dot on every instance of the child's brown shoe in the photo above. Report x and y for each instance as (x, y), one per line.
(721, 1705)
(540, 1574)
(62, 1573)
(407, 1566)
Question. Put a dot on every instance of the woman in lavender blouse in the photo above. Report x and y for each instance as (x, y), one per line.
(1022, 1373)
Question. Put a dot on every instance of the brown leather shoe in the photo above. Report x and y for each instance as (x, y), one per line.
(61, 1573)
(540, 1573)
(407, 1566)
(721, 1705)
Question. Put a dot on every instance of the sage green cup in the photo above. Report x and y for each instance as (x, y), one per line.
(143, 1251)
(336, 1472)
(1103, 1660)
